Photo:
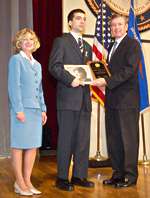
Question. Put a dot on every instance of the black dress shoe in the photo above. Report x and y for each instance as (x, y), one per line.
(125, 184)
(82, 182)
(64, 184)
(112, 181)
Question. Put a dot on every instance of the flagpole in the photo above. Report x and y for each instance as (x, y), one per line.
(145, 161)
(101, 161)
(98, 160)
(98, 156)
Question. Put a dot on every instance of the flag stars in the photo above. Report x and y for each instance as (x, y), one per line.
(102, 27)
(98, 26)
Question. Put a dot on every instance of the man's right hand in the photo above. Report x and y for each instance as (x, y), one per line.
(20, 116)
(76, 82)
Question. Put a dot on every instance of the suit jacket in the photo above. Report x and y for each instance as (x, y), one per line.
(25, 84)
(66, 51)
(122, 90)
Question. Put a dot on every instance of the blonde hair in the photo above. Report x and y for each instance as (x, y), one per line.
(21, 35)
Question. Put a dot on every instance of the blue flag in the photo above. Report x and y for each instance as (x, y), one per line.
(134, 33)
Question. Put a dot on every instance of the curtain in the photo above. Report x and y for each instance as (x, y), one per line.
(47, 23)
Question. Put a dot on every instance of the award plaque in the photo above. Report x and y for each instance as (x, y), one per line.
(100, 69)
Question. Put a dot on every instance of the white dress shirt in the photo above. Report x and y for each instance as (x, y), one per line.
(32, 60)
(76, 35)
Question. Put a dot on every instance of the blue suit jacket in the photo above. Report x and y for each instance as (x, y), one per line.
(25, 84)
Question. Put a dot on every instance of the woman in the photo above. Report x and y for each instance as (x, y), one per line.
(27, 109)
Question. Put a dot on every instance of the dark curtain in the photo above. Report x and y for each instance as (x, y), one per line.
(47, 22)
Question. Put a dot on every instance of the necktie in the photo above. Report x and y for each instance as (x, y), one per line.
(114, 48)
(80, 43)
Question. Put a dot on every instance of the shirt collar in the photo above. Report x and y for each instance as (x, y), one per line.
(120, 39)
(23, 54)
(76, 35)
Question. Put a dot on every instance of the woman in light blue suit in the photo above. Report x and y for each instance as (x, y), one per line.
(27, 109)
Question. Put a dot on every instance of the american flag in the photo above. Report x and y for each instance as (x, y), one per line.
(102, 39)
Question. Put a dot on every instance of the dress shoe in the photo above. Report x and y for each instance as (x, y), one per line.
(112, 181)
(126, 183)
(64, 184)
(18, 190)
(35, 191)
(82, 182)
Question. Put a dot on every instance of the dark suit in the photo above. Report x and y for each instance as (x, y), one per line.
(73, 107)
(122, 109)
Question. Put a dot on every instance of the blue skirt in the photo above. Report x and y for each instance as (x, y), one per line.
(28, 134)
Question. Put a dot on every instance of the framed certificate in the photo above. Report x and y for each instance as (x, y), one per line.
(83, 72)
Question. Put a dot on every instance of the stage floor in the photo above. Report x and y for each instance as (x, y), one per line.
(44, 175)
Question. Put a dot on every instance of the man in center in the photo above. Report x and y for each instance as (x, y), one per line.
(73, 104)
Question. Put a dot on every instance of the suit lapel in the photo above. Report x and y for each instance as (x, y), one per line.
(33, 67)
(119, 48)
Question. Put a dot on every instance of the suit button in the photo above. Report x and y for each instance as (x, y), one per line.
(37, 89)
(36, 81)
(36, 96)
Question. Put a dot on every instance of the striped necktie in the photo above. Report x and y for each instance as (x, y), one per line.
(80, 43)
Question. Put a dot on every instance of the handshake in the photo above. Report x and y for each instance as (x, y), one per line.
(99, 82)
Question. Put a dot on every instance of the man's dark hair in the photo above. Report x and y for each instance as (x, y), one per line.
(71, 14)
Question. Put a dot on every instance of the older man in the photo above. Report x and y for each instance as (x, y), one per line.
(122, 105)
